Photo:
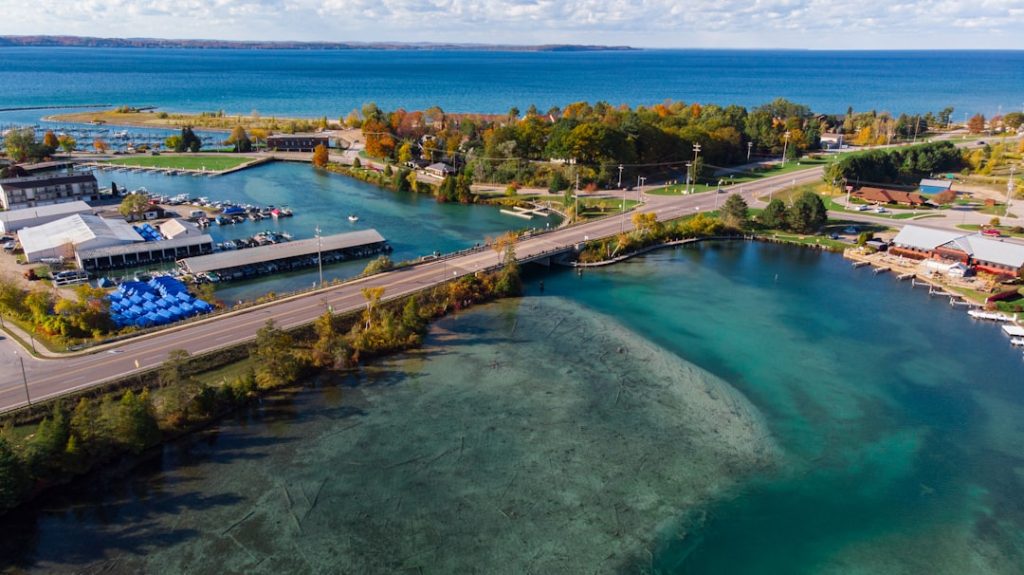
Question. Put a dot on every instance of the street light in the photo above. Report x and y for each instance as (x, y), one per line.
(750, 146)
(620, 175)
(687, 190)
(319, 256)
(785, 147)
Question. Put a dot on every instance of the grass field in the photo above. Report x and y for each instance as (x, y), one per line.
(1005, 230)
(741, 177)
(212, 163)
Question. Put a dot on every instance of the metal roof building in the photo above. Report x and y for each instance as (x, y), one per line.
(930, 186)
(14, 220)
(176, 227)
(61, 238)
(924, 239)
(142, 253)
(999, 256)
(353, 243)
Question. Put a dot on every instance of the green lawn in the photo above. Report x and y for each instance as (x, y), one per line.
(214, 163)
(1006, 231)
(741, 177)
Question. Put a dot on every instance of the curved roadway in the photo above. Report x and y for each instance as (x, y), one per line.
(52, 377)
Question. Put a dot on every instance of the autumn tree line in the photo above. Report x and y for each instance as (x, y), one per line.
(71, 440)
(588, 141)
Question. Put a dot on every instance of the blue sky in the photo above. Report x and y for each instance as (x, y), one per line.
(842, 24)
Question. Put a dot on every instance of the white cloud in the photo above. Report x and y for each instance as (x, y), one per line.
(768, 23)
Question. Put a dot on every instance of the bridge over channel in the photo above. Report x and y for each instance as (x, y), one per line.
(50, 377)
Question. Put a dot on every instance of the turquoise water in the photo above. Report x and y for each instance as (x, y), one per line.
(312, 83)
(414, 224)
(723, 408)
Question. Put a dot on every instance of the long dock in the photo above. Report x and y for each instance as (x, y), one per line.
(262, 260)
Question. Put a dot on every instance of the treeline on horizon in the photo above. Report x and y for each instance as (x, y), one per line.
(591, 141)
(96, 42)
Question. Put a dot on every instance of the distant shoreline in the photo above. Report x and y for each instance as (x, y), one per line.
(162, 43)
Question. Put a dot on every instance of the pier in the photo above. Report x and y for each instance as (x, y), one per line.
(526, 213)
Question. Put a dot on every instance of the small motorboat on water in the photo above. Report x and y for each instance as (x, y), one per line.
(353, 218)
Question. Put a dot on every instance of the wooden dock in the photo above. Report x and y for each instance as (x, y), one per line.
(526, 213)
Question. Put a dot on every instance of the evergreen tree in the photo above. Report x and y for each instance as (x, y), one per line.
(14, 480)
(774, 215)
(46, 448)
(735, 212)
(807, 214)
(188, 141)
(136, 423)
(411, 319)
(557, 182)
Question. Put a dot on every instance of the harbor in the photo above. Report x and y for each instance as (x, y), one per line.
(920, 274)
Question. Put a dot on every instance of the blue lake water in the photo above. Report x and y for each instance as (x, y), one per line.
(722, 408)
(414, 224)
(314, 83)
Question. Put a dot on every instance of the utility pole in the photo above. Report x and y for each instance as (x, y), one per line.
(1009, 190)
(696, 151)
(24, 378)
(577, 210)
(319, 256)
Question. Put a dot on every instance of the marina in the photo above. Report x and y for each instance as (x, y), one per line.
(992, 316)
(287, 256)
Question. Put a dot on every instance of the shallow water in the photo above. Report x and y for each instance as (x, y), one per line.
(724, 408)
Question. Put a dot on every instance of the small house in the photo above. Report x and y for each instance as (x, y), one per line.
(886, 196)
(440, 169)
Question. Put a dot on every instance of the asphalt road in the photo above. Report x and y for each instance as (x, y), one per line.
(49, 378)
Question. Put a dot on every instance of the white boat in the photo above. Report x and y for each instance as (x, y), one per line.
(978, 314)
(353, 218)
(1017, 341)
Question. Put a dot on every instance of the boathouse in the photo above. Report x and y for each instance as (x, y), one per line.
(62, 238)
(297, 142)
(273, 258)
(143, 253)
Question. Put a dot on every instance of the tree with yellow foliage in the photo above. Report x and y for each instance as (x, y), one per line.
(320, 156)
